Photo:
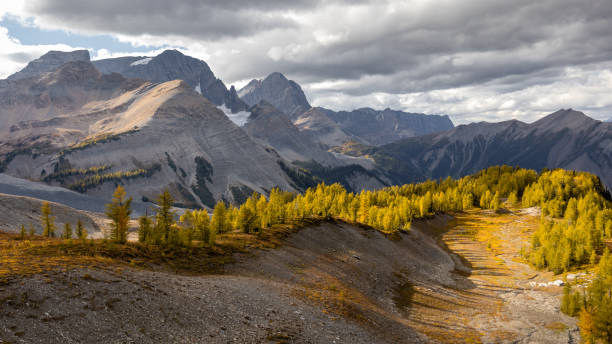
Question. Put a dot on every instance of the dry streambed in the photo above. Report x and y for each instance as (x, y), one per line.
(504, 305)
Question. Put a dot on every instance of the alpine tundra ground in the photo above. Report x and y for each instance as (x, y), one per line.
(451, 280)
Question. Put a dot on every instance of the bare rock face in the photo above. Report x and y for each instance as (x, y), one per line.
(377, 127)
(273, 128)
(565, 139)
(285, 95)
(332, 128)
(172, 65)
(88, 131)
(368, 126)
(318, 125)
(49, 62)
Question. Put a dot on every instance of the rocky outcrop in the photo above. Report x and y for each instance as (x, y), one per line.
(273, 128)
(285, 95)
(321, 128)
(173, 65)
(49, 62)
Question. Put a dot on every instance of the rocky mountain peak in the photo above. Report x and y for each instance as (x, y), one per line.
(171, 53)
(49, 62)
(173, 65)
(276, 77)
(564, 118)
(75, 71)
(284, 94)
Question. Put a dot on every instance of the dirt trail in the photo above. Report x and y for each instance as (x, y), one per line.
(495, 303)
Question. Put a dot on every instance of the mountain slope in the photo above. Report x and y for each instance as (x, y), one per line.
(20, 210)
(273, 128)
(24, 188)
(49, 62)
(285, 95)
(85, 130)
(565, 139)
(331, 128)
(381, 127)
(172, 65)
(317, 124)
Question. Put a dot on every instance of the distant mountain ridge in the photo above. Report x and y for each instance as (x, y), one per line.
(378, 127)
(369, 126)
(564, 139)
(49, 62)
(166, 122)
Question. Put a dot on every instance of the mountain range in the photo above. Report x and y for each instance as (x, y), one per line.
(565, 139)
(167, 122)
(78, 128)
(332, 128)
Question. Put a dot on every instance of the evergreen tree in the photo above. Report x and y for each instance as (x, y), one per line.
(48, 221)
(247, 220)
(587, 327)
(144, 229)
(513, 199)
(165, 216)
(219, 222)
(495, 202)
(67, 231)
(118, 211)
(202, 226)
(22, 232)
(81, 232)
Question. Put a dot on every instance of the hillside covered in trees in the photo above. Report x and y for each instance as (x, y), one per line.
(575, 222)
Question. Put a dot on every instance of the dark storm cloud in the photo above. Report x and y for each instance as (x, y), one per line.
(445, 44)
(362, 47)
(191, 18)
(469, 46)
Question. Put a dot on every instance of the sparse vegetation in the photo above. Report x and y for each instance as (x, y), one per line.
(94, 141)
(62, 174)
(575, 224)
(67, 231)
(118, 211)
(48, 221)
(92, 181)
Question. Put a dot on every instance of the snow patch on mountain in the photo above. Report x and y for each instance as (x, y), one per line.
(198, 88)
(141, 62)
(240, 117)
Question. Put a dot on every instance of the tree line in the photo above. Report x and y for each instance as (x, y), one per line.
(388, 210)
(576, 220)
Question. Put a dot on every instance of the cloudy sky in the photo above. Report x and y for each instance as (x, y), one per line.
(471, 59)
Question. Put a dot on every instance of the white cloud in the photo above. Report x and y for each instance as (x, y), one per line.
(473, 59)
(14, 55)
